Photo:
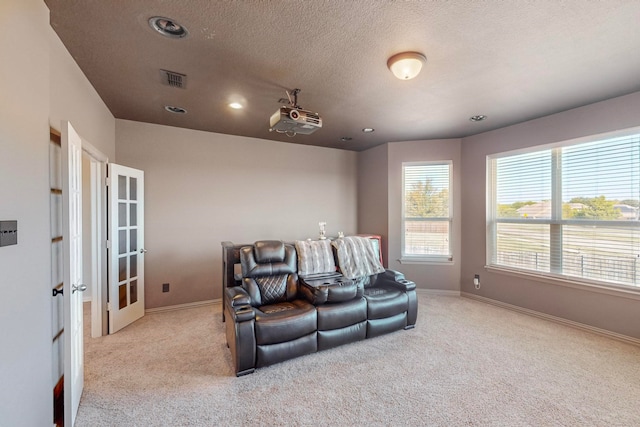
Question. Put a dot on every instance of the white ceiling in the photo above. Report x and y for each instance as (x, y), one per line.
(509, 60)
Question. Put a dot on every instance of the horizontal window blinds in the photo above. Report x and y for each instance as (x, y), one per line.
(427, 209)
(601, 183)
(570, 211)
(524, 180)
(601, 179)
(426, 190)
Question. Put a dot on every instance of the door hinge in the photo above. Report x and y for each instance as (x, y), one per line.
(107, 244)
(108, 306)
(107, 181)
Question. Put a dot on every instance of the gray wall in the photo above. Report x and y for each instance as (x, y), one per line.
(203, 188)
(441, 276)
(26, 394)
(42, 86)
(74, 99)
(380, 205)
(373, 194)
(602, 310)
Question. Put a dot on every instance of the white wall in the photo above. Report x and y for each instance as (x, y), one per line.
(26, 394)
(609, 312)
(203, 188)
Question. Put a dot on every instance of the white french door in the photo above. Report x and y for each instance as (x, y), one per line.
(126, 249)
(73, 286)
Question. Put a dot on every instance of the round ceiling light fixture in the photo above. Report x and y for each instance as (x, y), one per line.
(175, 110)
(478, 118)
(368, 130)
(235, 105)
(168, 27)
(406, 65)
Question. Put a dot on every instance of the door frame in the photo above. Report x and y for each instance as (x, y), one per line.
(98, 194)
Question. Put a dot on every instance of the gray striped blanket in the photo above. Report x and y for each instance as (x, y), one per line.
(357, 257)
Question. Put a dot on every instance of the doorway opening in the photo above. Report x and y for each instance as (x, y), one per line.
(94, 248)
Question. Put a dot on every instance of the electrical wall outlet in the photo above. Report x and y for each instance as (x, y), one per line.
(476, 281)
(165, 287)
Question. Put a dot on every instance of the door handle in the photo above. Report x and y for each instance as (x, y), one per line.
(143, 251)
(79, 288)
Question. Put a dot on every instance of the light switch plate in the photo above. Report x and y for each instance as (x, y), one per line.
(8, 233)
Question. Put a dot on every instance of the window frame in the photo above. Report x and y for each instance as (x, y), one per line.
(406, 258)
(556, 222)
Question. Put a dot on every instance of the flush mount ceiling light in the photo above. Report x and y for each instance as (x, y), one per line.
(175, 110)
(406, 65)
(368, 130)
(346, 138)
(477, 118)
(235, 105)
(167, 27)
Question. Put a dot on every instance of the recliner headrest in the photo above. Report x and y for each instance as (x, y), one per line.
(268, 251)
(267, 258)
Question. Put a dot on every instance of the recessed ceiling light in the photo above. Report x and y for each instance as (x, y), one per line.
(477, 118)
(368, 130)
(176, 110)
(346, 138)
(168, 27)
(235, 105)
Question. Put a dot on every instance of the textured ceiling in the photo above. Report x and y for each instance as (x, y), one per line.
(509, 60)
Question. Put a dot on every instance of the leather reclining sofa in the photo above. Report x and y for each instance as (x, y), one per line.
(272, 314)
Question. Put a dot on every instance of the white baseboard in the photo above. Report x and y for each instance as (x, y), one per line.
(183, 306)
(560, 320)
(442, 292)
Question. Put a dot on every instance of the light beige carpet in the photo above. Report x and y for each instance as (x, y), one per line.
(466, 364)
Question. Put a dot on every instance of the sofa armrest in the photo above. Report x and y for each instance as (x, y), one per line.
(240, 332)
(237, 296)
(395, 279)
(242, 313)
(393, 275)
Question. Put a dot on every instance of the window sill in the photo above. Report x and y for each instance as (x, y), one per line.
(614, 290)
(430, 261)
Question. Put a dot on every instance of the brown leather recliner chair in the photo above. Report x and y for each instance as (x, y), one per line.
(270, 320)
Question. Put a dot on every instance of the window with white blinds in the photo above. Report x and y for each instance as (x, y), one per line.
(569, 211)
(426, 211)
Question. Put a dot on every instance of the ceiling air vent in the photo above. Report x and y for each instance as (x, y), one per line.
(173, 79)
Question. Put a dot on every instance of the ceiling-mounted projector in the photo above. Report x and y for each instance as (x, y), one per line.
(293, 121)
